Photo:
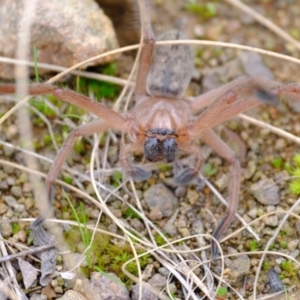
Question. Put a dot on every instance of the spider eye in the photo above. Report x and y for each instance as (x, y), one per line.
(169, 149)
(152, 149)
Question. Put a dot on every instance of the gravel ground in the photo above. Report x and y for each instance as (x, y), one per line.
(178, 211)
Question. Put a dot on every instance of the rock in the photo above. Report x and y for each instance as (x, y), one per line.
(3, 208)
(38, 297)
(16, 191)
(10, 201)
(158, 280)
(254, 66)
(147, 294)
(252, 213)
(107, 286)
(222, 181)
(155, 214)
(72, 295)
(137, 225)
(64, 32)
(148, 272)
(239, 268)
(6, 228)
(271, 221)
(292, 245)
(160, 198)
(266, 192)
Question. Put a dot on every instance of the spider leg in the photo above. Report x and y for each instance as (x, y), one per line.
(241, 85)
(216, 143)
(234, 101)
(135, 172)
(116, 120)
(88, 129)
(146, 53)
(189, 174)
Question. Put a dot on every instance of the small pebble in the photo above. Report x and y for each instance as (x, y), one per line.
(293, 245)
(158, 280)
(147, 294)
(271, 221)
(16, 191)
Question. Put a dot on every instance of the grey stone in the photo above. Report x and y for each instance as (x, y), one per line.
(158, 280)
(6, 228)
(239, 268)
(293, 245)
(266, 192)
(107, 287)
(72, 295)
(16, 191)
(222, 182)
(252, 213)
(10, 201)
(272, 221)
(254, 66)
(40, 297)
(147, 294)
(161, 198)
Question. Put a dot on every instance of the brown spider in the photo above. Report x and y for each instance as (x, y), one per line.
(162, 122)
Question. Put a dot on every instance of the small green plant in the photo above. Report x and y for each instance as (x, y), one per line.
(129, 213)
(222, 293)
(266, 265)
(203, 11)
(100, 89)
(295, 171)
(117, 178)
(15, 227)
(253, 245)
(283, 244)
(277, 162)
(160, 241)
(288, 268)
(209, 169)
(81, 219)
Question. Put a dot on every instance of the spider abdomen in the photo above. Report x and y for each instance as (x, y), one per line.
(171, 66)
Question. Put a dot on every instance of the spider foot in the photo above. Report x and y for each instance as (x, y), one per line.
(186, 176)
(38, 221)
(138, 173)
(266, 97)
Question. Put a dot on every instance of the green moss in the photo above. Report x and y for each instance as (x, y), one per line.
(117, 179)
(283, 244)
(100, 89)
(41, 106)
(129, 213)
(160, 241)
(294, 170)
(277, 162)
(266, 265)
(253, 245)
(294, 187)
(209, 169)
(222, 292)
(203, 11)
(288, 268)
(15, 227)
